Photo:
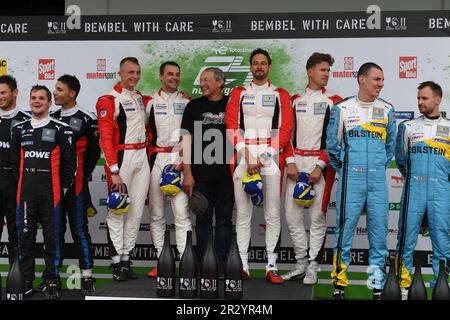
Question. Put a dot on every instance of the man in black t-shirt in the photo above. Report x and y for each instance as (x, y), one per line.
(206, 147)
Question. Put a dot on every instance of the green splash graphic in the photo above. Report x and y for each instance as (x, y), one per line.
(231, 55)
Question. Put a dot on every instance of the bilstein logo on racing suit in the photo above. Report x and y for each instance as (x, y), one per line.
(364, 134)
(37, 154)
(232, 66)
(101, 71)
(428, 150)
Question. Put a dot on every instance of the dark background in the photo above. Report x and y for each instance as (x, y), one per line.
(32, 8)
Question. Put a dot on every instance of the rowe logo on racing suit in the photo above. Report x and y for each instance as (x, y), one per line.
(37, 154)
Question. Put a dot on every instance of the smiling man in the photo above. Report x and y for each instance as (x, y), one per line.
(122, 124)
(360, 145)
(166, 112)
(44, 164)
(203, 121)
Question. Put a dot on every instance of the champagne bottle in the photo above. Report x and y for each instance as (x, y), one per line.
(441, 291)
(391, 290)
(15, 283)
(165, 282)
(209, 271)
(188, 270)
(417, 291)
(233, 288)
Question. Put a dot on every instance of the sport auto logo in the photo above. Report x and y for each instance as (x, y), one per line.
(407, 67)
(46, 69)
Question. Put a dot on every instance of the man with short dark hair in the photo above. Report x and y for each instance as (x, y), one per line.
(85, 128)
(360, 145)
(260, 120)
(423, 158)
(122, 124)
(203, 121)
(166, 113)
(307, 153)
(10, 115)
(44, 164)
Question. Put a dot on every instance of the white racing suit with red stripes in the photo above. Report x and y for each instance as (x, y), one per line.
(166, 112)
(122, 124)
(308, 150)
(261, 120)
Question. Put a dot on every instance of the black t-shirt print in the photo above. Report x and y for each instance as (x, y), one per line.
(210, 158)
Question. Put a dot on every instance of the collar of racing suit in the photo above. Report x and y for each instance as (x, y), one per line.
(167, 95)
(121, 90)
(432, 120)
(67, 112)
(364, 104)
(127, 92)
(9, 114)
(311, 92)
(39, 123)
(259, 88)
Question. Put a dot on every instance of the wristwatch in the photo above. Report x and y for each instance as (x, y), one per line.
(115, 173)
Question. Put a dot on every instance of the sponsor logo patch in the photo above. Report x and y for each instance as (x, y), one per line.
(268, 100)
(178, 108)
(75, 124)
(48, 135)
(442, 131)
(378, 114)
(320, 108)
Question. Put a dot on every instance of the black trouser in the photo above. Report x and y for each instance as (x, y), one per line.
(34, 207)
(8, 210)
(220, 195)
(74, 209)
